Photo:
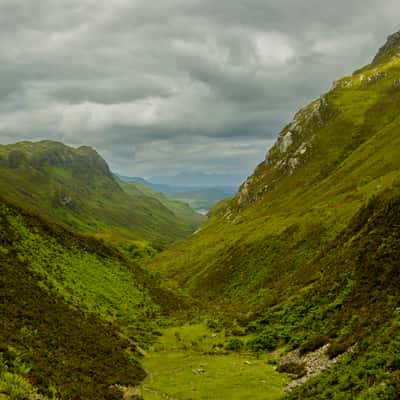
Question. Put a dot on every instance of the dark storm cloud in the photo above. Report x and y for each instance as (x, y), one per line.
(176, 85)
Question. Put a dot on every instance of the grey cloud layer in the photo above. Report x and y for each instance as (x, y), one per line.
(174, 85)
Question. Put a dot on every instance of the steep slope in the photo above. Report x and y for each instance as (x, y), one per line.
(310, 244)
(76, 187)
(336, 153)
(73, 312)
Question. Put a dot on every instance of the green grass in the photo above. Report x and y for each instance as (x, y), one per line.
(174, 363)
(249, 251)
(63, 305)
(311, 251)
(303, 256)
(102, 285)
(76, 188)
(179, 208)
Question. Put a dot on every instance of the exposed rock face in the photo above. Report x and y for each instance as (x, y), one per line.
(374, 77)
(303, 124)
(244, 192)
(302, 149)
(308, 365)
(65, 200)
(284, 142)
(296, 144)
(288, 153)
(390, 49)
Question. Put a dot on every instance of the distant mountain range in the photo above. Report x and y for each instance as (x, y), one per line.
(76, 188)
(200, 191)
(199, 179)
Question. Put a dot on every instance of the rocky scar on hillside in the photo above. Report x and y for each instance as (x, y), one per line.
(292, 148)
(390, 49)
(303, 367)
(310, 246)
(295, 144)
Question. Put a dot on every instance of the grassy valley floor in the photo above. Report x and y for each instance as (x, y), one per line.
(190, 362)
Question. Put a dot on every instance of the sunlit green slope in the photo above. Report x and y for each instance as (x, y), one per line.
(310, 244)
(337, 153)
(73, 312)
(75, 187)
(179, 208)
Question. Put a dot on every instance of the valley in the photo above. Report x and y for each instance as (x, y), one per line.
(111, 290)
(191, 362)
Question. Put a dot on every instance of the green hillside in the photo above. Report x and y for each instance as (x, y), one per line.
(295, 280)
(179, 208)
(75, 187)
(307, 252)
(74, 312)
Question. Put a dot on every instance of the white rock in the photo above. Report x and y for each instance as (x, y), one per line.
(285, 142)
(302, 149)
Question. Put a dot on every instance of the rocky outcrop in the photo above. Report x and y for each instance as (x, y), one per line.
(390, 49)
(83, 158)
(65, 200)
(372, 78)
(288, 153)
(303, 368)
(285, 141)
(244, 195)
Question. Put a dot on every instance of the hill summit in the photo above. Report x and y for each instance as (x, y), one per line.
(49, 153)
(307, 252)
(75, 187)
(390, 49)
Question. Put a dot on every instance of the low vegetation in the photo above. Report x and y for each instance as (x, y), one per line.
(74, 312)
(192, 362)
(75, 187)
(302, 262)
(306, 254)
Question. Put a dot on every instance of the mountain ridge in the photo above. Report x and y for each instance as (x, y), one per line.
(52, 153)
(302, 262)
(390, 49)
(77, 188)
(307, 248)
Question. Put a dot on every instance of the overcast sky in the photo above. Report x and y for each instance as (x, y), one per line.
(159, 87)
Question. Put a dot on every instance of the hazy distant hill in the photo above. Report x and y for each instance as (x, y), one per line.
(198, 179)
(199, 198)
(204, 199)
(179, 208)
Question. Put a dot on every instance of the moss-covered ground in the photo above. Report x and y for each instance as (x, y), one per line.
(191, 362)
(72, 311)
